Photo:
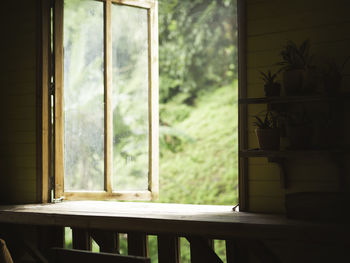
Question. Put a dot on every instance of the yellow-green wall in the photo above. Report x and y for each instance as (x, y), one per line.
(270, 23)
(18, 101)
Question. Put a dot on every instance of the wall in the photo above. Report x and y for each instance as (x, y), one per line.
(270, 23)
(18, 101)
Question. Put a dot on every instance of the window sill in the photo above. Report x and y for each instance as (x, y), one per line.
(153, 218)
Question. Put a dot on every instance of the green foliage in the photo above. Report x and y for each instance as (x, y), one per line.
(207, 161)
(268, 77)
(335, 71)
(294, 57)
(197, 46)
(270, 121)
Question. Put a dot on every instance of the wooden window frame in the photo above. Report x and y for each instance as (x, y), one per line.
(153, 119)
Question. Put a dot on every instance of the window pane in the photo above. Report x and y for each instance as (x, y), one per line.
(83, 95)
(130, 97)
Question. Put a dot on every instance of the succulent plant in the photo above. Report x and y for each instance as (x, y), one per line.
(271, 86)
(270, 121)
(268, 77)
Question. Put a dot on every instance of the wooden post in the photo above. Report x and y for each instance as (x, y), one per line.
(138, 244)
(168, 249)
(201, 252)
(81, 239)
(107, 240)
(50, 236)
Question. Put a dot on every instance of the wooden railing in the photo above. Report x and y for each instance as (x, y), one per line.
(244, 234)
(201, 248)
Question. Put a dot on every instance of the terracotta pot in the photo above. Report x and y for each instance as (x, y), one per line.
(293, 81)
(269, 139)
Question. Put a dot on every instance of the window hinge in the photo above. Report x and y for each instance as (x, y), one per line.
(52, 89)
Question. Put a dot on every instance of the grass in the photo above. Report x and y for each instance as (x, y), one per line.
(199, 166)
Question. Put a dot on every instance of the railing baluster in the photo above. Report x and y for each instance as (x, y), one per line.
(201, 252)
(138, 244)
(168, 249)
(108, 241)
(50, 236)
(81, 239)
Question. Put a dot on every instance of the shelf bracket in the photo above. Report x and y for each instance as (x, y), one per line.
(283, 171)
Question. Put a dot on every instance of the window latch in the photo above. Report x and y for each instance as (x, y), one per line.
(58, 200)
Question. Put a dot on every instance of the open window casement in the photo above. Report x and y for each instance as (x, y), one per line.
(106, 99)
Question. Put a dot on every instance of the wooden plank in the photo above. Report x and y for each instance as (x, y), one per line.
(108, 241)
(168, 249)
(81, 239)
(201, 252)
(59, 117)
(137, 3)
(153, 102)
(242, 109)
(120, 195)
(138, 244)
(60, 255)
(46, 103)
(217, 222)
(108, 109)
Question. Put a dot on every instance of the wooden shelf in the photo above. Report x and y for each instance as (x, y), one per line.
(293, 99)
(288, 153)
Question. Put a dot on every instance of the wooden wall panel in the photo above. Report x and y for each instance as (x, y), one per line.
(18, 100)
(270, 23)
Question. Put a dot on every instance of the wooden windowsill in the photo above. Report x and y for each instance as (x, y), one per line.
(153, 218)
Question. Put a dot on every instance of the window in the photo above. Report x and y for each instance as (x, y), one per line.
(106, 102)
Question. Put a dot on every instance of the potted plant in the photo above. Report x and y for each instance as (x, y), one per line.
(267, 131)
(299, 130)
(333, 76)
(271, 86)
(296, 64)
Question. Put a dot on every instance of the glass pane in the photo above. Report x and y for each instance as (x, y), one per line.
(83, 95)
(130, 98)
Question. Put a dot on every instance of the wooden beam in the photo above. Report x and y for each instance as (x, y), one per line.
(242, 109)
(45, 113)
(50, 236)
(201, 252)
(138, 244)
(108, 241)
(81, 239)
(58, 107)
(108, 108)
(168, 249)
(60, 255)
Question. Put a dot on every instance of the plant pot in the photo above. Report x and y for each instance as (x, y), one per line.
(272, 90)
(293, 81)
(300, 137)
(268, 139)
(310, 81)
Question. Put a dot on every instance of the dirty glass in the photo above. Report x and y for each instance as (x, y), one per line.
(130, 97)
(83, 95)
